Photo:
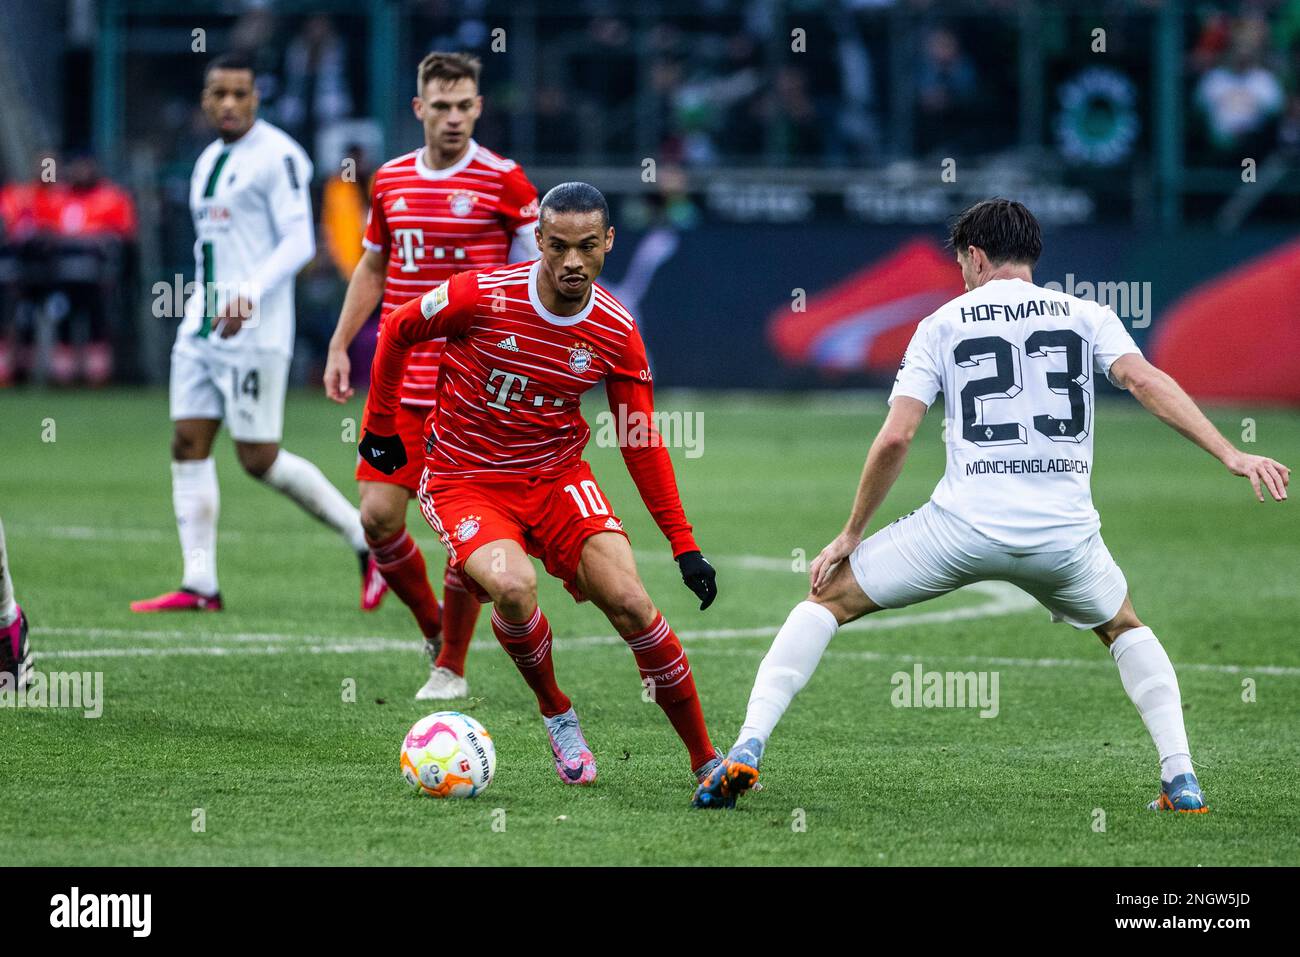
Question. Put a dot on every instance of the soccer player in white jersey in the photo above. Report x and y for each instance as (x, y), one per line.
(1016, 364)
(254, 231)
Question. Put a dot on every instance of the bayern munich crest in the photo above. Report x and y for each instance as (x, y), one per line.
(580, 358)
(468, 527)
(462, 202)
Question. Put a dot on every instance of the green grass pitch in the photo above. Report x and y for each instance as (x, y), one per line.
(243, 714)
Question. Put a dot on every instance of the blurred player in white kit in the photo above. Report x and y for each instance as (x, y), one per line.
(249, 196)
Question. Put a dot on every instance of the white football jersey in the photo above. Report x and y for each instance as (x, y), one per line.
(244, 196)
(1016, 364)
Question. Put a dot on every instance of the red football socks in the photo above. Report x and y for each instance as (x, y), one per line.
(402, 566)
(529, 644)
(661, 659)
(460, 612)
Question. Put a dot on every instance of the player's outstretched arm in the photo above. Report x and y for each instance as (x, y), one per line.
(884, 463)
(1165, 399)
(445, 312)
(380, 444)
(365, 289)
(396, 337)
(651, 469)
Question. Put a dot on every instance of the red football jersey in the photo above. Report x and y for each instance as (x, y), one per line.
(433, 224)
(512, 380)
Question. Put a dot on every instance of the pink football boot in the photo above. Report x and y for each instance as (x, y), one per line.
(573, 759)
(15, 652)
(373, 586)
(183, 600)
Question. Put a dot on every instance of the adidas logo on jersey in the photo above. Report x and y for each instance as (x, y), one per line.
(614, 523)
(508, 344)
(400, 205)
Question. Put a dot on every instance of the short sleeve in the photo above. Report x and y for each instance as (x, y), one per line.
(920, 375)
(1110, 341)
(518, 201)
(376, 237)
(288, 188)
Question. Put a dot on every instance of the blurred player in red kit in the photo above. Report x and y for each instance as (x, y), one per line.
(504, 475)
(440, 210)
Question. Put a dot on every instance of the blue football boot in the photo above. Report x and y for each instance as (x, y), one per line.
(729, 778)
(1182, 794)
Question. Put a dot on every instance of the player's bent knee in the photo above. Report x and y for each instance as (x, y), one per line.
(513, 591)
(629, 607)
(1109, 633)
(380, 521)
(257, 460)
(844, 598)
(185, 449)
(842, 612)
(189, 448)
(1125, 620)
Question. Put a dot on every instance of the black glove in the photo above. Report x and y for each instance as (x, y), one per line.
(384, 452)
(699, 576)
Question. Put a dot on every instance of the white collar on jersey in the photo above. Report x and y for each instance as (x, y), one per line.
(545, 313)
(251, 134)
(426, 173)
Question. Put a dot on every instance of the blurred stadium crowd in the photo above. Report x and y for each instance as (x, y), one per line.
(723, 82)
(808, 88)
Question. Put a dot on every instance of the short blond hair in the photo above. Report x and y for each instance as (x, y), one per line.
(447, 68)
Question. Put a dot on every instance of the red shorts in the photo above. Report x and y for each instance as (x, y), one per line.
(550, 518)
(410, 429)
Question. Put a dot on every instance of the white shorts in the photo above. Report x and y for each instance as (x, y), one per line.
(245, 388)
(931, 552)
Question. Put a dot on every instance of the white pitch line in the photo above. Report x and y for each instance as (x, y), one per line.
(92, 533)
(238, 637)
(1101, 662)
(219, 651)
(1006, 600)
(100, 533)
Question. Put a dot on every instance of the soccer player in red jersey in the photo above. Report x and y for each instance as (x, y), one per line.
(440, 210)
(504, 473)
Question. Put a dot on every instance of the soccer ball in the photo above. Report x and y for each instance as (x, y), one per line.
(448, 755)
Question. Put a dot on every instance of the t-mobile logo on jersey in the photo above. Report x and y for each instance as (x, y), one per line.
(411, 244)
(507, 387)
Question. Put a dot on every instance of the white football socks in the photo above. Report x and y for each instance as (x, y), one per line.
(786, 668)
(1149, 679)
(307, 485)
(8, 607)
(196, 501)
